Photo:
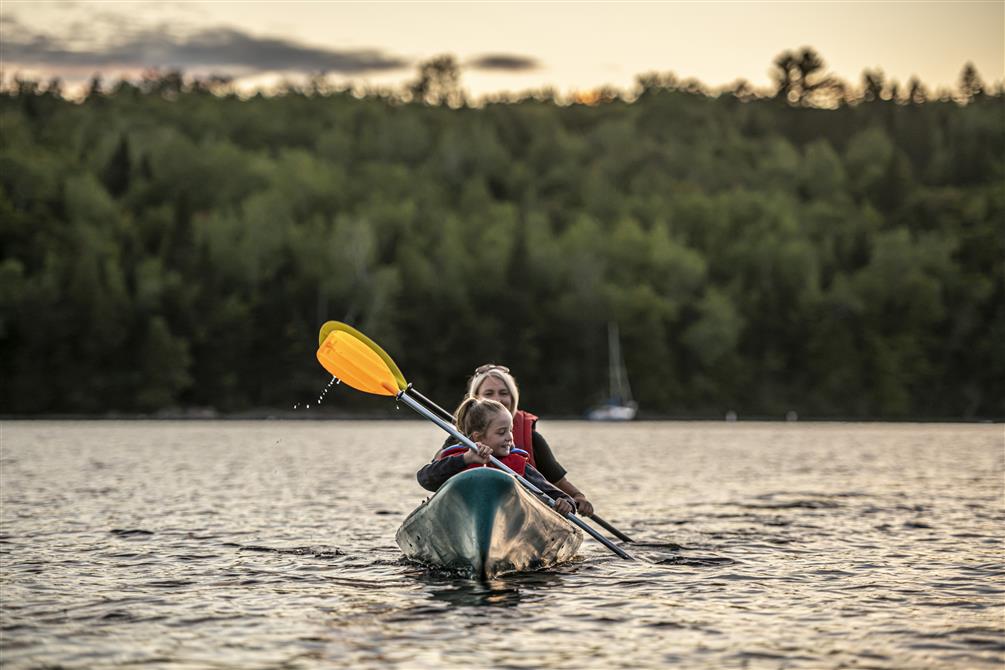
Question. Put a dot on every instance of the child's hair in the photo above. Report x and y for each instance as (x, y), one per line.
(500, 372)
(474, 415)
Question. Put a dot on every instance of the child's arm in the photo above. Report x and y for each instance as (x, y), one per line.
(432, 475)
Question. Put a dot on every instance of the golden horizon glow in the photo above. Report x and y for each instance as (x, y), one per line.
(579, 46)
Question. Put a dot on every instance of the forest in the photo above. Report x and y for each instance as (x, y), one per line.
(833, 250)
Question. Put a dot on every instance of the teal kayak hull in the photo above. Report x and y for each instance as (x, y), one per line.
(484, 523)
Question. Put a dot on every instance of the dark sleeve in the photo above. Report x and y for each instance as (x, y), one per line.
(432, 475)
(545, 461)
(537, 479)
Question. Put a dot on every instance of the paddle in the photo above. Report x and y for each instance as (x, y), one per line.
(444, 414)
(359, 362)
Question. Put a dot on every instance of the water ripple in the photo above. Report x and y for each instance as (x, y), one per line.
(258, 545)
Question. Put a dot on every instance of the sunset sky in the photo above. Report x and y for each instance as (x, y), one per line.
(503, 46)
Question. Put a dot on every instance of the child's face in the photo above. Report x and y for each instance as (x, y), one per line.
(498, 435)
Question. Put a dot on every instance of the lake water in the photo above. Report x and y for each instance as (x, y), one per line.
(271, 545)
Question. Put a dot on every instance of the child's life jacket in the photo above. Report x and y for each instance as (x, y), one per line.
(516, 460)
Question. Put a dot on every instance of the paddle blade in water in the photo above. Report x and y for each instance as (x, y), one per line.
(332, 326)
(356, 364)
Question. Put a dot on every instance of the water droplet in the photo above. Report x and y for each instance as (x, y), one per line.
(338, 381)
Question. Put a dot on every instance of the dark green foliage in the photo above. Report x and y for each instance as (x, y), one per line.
(168, 245)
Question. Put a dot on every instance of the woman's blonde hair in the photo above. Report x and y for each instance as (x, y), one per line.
(474, 415)
(500, 372)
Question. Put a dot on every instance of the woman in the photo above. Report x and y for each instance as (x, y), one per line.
(496, 383)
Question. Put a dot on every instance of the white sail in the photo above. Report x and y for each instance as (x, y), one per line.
(619, 406)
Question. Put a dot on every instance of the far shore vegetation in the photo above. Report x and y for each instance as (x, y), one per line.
(830, 249)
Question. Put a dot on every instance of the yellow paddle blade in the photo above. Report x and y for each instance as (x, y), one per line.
(350, 360)
(357, 360)
(330, 326)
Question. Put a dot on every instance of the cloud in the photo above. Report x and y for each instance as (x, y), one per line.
(220, 48)
(510, 62)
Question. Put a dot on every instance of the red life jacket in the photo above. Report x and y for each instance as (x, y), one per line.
(516, 460)
(523, 433)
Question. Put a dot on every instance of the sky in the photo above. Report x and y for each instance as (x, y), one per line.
(509, 46)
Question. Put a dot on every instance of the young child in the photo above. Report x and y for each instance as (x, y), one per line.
(489, 425)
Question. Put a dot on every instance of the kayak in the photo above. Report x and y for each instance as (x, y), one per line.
(484, 523)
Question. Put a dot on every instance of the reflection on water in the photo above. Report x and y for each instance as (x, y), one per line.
(270, 544)
(504, 591)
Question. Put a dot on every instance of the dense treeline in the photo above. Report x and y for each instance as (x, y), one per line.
(165, 246)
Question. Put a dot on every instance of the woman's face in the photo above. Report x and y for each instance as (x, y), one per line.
(498, 435)
(493, 388)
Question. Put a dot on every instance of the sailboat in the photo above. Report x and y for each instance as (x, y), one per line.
(619, 405)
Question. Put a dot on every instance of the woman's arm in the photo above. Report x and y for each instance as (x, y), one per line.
(553, 471)
(532, 475)
(544, 459)
(585, 506)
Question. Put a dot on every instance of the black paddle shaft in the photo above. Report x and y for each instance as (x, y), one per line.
(611, 529)
(444, 414)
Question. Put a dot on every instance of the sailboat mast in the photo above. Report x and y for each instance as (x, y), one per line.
(620, 389)
(619, 405)
(613, 356)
